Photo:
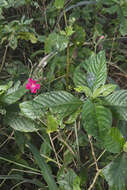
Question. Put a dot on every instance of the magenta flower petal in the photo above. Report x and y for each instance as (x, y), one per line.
(28, 86)
(30, 80)
(38, 86)
(32, 85)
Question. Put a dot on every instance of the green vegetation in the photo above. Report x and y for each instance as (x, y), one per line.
(63, 95)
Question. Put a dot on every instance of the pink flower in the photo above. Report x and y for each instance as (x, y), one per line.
(101, 38)
(32, 85)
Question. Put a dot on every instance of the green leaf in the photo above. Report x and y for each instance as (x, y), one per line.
(97, 70)
(55, 42)
(118, 98)
(76, 184)
(122, 126)
(32, 109)
(125, 147)
(69, 30)
(79, 77)
(22, 124)
(44, 168)
(116, 173)
(46, 148)
(20, 140)
(113, 141)
(60, 102)
(68, 157)
(13, 97)
(122, 111)
(72, 118)
(3, 3)
(84, 89)
(59, 4)
(123, 27)
(68, 180)
(4, 88)
(52, 124)
(97, 119)
(104, 90)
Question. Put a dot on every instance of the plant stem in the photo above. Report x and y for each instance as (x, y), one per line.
(59, 165)
(67, 67)
(4, 58)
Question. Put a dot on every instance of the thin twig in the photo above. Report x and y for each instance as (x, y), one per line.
(93, 153)
(94, 180)
(59, 165)
(97, 159)
(112, 45)
(4, 58)
(62, 140)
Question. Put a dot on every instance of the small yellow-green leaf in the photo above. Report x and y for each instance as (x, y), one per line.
(104, 90)
(84, 89)
(69, 30)
(52, 124)
(125, 147)
(59, 4)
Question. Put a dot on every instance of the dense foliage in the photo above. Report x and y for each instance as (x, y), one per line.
(63, 96)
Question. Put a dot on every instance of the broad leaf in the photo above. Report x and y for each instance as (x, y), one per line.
(32, 109)
(22, 124)
(97, 120)
(122, 126)
(104, 90)
(96, 70)
(4, 88)
(116, 173)
(79, 77)
(113, 141)
(60, 102)
(13, 97)
(118, 98)
(122, 111)
(55, 42)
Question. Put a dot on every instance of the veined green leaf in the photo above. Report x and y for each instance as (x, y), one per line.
(104, 90)
(32, 109)
(84, 89)
(22, 124)
(79, 77)
(13, 97)
(97, 70)
(97, 119)
(116, 173)
(122, 111)
(60, 102)
(118, 98)
(122, 126)
(113, 141)
(55, 42)
(5, 87)
(44, 168)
